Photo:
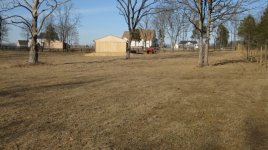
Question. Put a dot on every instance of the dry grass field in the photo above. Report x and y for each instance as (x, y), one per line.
(161, 101)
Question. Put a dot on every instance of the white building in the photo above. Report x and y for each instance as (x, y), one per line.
(187, 45)
(56, 44)
(22, 43)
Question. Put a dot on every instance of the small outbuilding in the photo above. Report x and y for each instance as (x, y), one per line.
(22, 43)
(110, 46)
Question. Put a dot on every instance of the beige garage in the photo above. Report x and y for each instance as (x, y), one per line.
(110, 46)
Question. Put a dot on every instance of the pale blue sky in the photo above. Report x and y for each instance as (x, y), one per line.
(101, 17)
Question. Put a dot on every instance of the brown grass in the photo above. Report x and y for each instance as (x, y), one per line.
(161, 101)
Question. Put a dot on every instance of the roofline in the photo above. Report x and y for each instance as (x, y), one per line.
(106, 36)
(153, 32)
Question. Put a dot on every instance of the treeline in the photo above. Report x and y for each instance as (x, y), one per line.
(253, 33)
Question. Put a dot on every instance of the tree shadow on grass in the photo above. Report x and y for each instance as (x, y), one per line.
(12, 131)
(42, 64)
(161, 57)
(13, 92)
(92, 62)
(257, 130)
(257, 123)
(227, 61)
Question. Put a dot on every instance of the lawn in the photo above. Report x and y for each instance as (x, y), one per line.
(161, 101)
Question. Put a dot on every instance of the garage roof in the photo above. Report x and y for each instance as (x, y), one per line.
(111, 38)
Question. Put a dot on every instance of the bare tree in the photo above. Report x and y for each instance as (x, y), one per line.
(196, 10)
(67, 24)
(133, 11)
(234, 28)
(172, 29)
(176, 23)
(25, 31)
(160, 26)
(162, 21)
(145, 27)
(49, 32)
(39, 10)
(73, 37)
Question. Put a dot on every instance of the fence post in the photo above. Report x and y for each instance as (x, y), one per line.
(257, 55)
(254, 54)
(261, 57)
(265, 55)
(250, 55)
(247, 52)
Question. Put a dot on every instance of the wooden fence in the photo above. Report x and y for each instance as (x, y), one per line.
(257, 55)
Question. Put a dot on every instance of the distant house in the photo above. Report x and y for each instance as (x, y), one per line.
(148, 38)
(188, 44)
(40, 40)
(56, 44)
(22, 44)
(53, 44)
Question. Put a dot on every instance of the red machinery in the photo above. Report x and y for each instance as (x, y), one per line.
(151, 50)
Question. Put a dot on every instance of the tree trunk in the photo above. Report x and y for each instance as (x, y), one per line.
(129, 47)
(49, 45)
(63, 46)
(33, 54)
(206, 50)
(145, 44)
(161, 39)
(172, 44)
(208, 33)
(201, 50)
(161, 45)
